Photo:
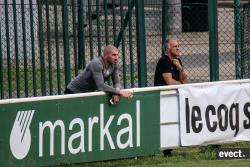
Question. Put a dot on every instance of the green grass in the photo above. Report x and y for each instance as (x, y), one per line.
(185, 156)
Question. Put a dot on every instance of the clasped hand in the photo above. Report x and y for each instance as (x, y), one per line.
(177, 63)
(125, 93)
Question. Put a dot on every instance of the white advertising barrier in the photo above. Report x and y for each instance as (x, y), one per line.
(216, 113)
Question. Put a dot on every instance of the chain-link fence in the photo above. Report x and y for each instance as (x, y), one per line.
(245, 33)
(17, 49)
(188, 21)
(44, 44)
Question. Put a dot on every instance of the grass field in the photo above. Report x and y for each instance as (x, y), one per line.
(186, 156)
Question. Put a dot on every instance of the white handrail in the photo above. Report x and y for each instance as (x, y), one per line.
(158, 88)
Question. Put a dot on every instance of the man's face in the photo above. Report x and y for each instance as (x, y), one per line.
(174, 48)
(112, 56)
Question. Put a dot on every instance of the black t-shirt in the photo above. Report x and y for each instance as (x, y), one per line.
(165, 65)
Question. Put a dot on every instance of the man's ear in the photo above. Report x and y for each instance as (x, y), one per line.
(104, 56)
(166, 52)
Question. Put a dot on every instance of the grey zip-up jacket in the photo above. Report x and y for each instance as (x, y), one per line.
(93, 78)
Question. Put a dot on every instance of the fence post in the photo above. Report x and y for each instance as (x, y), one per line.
(131, 53)
(41, 48)
(141, 43)
(238, 51)
(32, 29)
(164, 20)
(49, 47)
(16, 49)
(114, 22)
(213, 40)
(7, 27)
(58, 68)
(1, 66)
(75, 35)
(90, 29)
(66, 42)
(98, 28)
(24, 49)
(81, 35)
(106, 22)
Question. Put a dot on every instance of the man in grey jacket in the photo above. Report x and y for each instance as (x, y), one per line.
(97, 71)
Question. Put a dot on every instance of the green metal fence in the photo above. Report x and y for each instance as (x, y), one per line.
(44, 43)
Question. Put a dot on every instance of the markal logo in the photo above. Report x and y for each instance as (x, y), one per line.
(20, 137)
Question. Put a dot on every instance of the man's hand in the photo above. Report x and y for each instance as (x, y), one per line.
(177, 63)
(115, 99)
(126, 93)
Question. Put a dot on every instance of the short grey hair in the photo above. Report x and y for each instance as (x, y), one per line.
(165, 45)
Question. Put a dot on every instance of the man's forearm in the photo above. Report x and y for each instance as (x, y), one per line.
(183, 77)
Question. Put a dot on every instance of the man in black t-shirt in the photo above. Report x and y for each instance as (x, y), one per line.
(169, 69)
